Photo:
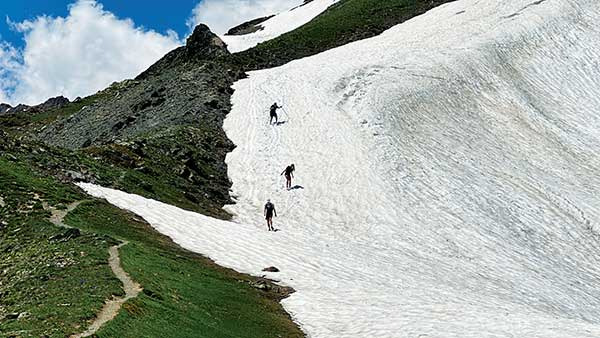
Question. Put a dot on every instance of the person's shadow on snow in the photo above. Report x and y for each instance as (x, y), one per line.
(296, 187)
(280, 123)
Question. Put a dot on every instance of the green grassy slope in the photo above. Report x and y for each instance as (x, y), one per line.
(53, 284)
(51, 281)
(185, 295)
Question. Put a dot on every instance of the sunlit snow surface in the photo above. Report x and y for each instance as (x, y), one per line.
(451, 176)
(279, 24)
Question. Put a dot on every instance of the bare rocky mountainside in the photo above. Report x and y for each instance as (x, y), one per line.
(188, 88)
(162, 130)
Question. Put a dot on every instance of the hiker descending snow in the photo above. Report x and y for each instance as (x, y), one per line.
(289, 174)
(273, 112)
(269, 211)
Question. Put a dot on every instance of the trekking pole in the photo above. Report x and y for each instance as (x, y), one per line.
(286, 113)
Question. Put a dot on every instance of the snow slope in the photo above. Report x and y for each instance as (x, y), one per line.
(450, 175)
(279, 24)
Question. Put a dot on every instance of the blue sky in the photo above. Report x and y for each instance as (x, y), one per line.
(160, 16)
(77, 47)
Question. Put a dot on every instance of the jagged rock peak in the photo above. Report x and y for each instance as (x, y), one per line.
(204, 43)
(54, 102)
(4, 108)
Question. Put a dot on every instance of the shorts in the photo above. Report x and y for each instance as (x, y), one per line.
(269, 215)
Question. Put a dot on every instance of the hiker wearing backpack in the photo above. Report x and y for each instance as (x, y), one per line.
(289, 174)
(273, 112)
(269, 211)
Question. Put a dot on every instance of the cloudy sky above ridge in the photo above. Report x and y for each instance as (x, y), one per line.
(77, 47)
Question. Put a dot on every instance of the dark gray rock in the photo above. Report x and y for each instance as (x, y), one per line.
(66, 235)
(271, 269)
(248, 27)
(13, 315)
(205, 44)
(20, 108)
(261, 285)
(52, 103)
(75, 176)
(4, 108)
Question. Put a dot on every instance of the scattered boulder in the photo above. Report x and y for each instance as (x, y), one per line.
(261, 285)
(13, 315)
(213, 104)
(271, 269)
(66, 235)
(152, 294)
(75, 176)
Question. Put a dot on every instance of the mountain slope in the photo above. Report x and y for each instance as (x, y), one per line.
(343, 22)
(158, 135)
(164, 126)
(449, 178)
(275, 26)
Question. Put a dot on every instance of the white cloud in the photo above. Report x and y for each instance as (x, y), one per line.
(220, 15)
(77, 55)
(9, 66)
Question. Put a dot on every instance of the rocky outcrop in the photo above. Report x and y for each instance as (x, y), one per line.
(21, 108)
(202, 46)
(248, 27)
(189, 86)
(52, 103)
(4, 108)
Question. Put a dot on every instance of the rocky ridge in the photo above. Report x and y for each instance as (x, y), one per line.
(52, 103)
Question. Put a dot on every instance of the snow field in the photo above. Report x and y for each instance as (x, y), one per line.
(279, 24)
(449, 172)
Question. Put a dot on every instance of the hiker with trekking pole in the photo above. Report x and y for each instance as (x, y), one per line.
(273, 112)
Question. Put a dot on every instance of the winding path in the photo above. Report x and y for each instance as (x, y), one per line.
(112, 306)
